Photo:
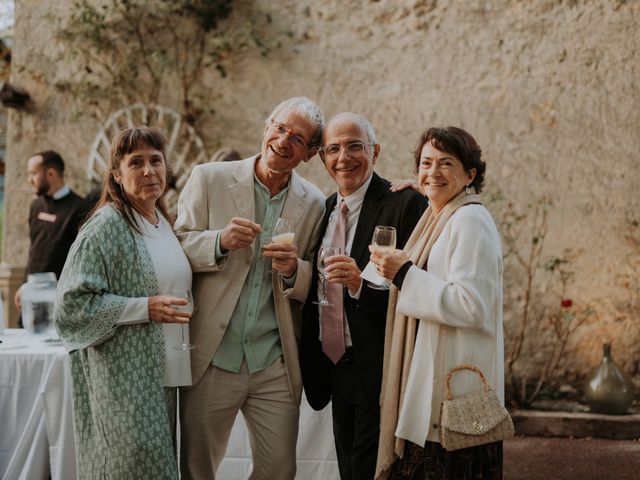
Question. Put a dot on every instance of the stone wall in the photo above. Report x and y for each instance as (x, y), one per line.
(548, 88)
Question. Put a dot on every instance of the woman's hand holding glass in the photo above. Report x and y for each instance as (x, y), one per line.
(174, 307)
(387, 261)
(384, 238)
(166, 309)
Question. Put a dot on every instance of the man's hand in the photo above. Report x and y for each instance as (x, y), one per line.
(161, 310)
(284, 257)
(343, 269)
(387, 261)
(239, 233)
(399, 185)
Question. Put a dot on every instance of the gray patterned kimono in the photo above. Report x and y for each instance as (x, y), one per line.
(120, 412)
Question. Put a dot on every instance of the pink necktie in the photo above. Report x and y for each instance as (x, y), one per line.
(333, 315)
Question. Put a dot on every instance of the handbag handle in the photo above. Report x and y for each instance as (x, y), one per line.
(465, 366)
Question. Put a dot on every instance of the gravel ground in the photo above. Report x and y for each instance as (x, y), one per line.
(533, 458)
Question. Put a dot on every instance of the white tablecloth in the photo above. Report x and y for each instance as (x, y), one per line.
(36, 430)
(35, 409)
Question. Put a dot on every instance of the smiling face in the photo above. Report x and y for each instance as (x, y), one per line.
(348, 170)
(282, 148)
(441, 176)
(142, 175)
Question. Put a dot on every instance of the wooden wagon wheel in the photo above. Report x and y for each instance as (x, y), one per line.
(185, 148)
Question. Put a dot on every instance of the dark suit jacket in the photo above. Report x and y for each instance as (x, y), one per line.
(367, 315)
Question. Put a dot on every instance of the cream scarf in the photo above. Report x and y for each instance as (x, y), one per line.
(400, 335)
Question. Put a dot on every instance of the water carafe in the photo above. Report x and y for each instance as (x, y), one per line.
(38, 296)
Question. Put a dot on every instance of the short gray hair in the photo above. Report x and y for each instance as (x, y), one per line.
(366, 125)
(306, 109)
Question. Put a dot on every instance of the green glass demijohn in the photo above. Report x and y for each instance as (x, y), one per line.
(607, 388)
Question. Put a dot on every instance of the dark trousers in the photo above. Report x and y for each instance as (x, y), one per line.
(356, 422)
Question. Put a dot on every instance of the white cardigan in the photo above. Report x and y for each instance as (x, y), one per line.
(458, 300)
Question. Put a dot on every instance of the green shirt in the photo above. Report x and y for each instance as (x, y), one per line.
(252, 332)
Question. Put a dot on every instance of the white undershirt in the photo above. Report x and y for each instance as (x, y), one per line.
(173, 273)
(354, 203)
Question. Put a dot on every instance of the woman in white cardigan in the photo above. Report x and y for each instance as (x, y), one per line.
(445, 310)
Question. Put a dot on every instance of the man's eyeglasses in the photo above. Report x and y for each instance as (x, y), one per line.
(294, 138)
(352, 149)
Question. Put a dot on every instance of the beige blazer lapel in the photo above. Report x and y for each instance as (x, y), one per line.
(242, 192)
(294, 209)
(295, 204)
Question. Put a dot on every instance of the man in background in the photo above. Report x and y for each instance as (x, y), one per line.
(54, 217)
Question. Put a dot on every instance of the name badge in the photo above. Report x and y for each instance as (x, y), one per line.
(47, 217)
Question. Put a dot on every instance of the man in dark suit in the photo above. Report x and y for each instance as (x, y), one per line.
(342, 360)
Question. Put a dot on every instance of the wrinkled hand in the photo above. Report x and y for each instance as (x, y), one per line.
(399, 185)
(387, 261)
(343, 269)
(284, 257)
(161, 310)
(239, 233)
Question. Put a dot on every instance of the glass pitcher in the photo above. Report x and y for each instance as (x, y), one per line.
(38, 296)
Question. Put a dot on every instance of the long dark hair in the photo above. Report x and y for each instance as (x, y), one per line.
(126, 142)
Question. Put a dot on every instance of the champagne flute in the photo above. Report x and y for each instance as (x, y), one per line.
(384, 238)
(325, 252)
(186, 294)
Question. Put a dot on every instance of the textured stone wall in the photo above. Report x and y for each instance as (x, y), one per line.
(549, 89)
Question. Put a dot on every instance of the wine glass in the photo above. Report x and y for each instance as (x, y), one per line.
(186, 294)
(325, 252)
(265, 240)
(384, 238)
(283, 232)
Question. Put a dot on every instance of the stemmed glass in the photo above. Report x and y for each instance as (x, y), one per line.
(384, 238)
(325, 252)
(282, 233)
(186, 294)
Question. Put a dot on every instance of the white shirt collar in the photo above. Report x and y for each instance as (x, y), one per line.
(354, 200)
(61, 192)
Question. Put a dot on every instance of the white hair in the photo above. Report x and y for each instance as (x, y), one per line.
(306, 109)
(368, 127)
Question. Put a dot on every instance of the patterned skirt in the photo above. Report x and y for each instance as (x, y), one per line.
(433, 462)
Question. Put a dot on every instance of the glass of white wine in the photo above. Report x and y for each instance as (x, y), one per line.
(384, 238)
(186, 294)
(282, 233)
(325, 252)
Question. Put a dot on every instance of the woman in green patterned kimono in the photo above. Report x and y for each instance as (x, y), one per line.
(110, 316)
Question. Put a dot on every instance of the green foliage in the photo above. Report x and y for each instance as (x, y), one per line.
(129, 51)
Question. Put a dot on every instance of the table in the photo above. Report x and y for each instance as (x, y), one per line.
(37, 429)
(35, 409)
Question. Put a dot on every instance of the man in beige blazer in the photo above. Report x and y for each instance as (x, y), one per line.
(247, 318)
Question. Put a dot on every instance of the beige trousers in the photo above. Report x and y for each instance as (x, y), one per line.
(208, 411)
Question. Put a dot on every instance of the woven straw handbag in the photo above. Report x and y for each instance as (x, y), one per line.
(473, 419)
